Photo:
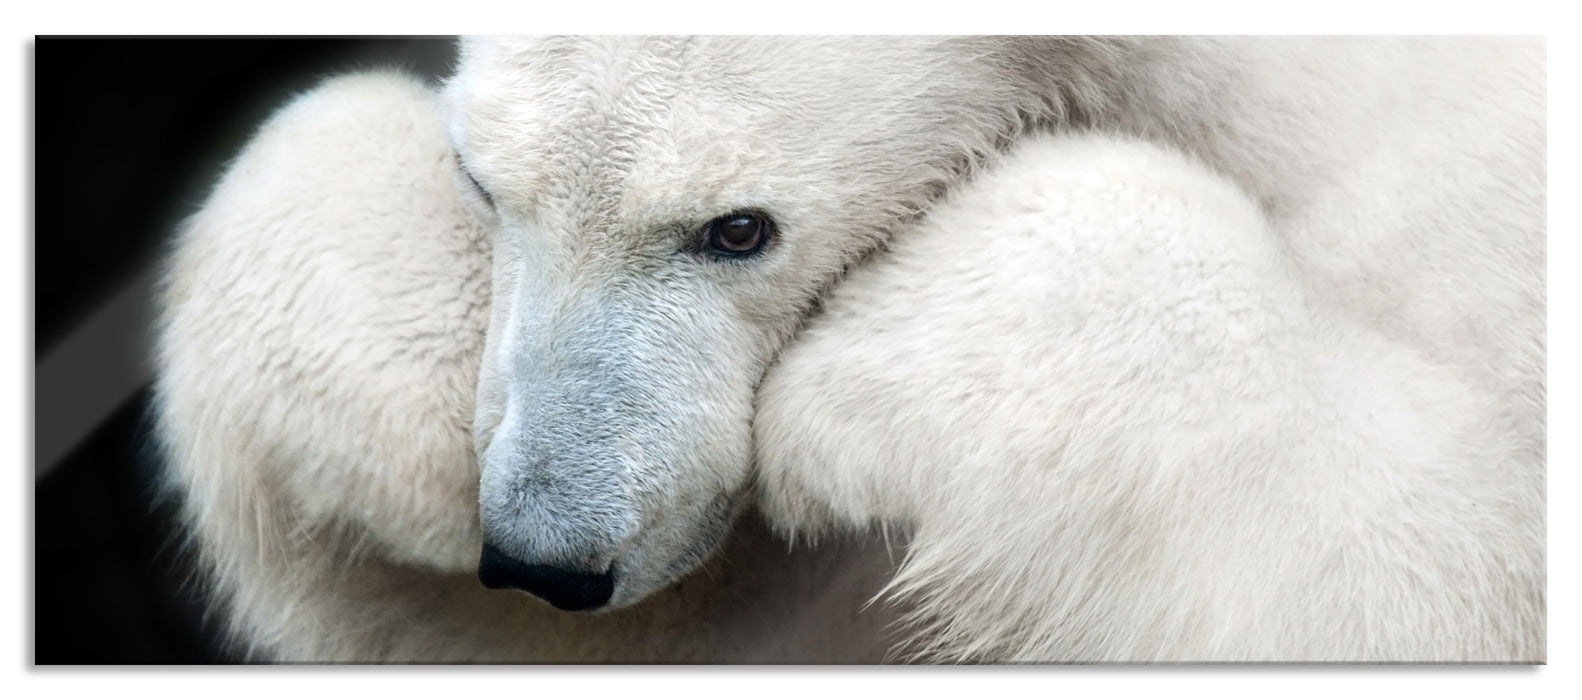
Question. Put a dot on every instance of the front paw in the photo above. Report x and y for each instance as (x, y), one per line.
(844, 437)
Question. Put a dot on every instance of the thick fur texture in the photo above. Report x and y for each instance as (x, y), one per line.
(1279, 398)
(1119, 426)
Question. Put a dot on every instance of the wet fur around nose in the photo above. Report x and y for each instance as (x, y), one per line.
(622, 439)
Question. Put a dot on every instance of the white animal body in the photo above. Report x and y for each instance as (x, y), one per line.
(1154, 349)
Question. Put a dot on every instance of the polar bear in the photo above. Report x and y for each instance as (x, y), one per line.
(545, 330)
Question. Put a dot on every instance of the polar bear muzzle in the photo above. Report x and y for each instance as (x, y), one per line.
(613, 423)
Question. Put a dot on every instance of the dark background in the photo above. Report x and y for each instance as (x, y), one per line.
(128, 136)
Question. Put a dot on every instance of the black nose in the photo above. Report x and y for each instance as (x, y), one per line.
(567, 590)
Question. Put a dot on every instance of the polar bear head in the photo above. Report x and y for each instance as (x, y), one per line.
(666, 213)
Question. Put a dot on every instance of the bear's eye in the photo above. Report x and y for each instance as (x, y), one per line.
(738, 235)
(476, 187)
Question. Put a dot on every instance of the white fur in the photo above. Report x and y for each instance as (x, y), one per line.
(1283, 404)
(1119, 426)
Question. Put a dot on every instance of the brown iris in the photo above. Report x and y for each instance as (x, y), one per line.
(738, 235)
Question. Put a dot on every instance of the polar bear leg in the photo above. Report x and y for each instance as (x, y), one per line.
(1119, 427)
(322, 316)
